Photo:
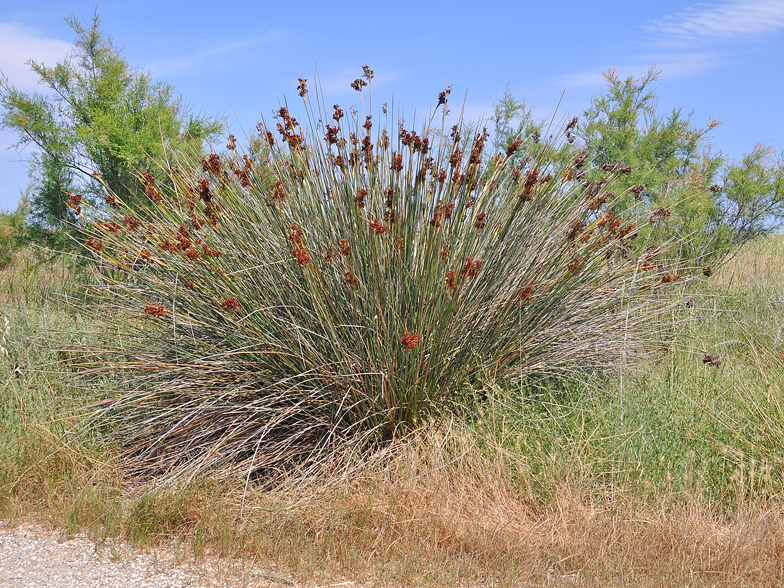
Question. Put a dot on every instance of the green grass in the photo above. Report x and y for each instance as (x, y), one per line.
(675, 422)
(682, 453)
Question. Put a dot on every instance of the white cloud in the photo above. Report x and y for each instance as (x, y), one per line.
(184, 63)
(693, 41)
(18, 44)
(732, 19)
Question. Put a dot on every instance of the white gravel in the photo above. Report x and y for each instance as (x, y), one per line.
(34, 557)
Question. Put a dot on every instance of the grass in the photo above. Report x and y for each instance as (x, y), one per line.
(673, 478)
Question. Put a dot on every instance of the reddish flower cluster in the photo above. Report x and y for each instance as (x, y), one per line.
(94, 244)
(443, 211)
(397, 162)
(183, 238)
(74, 202)
(597, 201)
(168, 245)
(456, 157)
(332, 135)
(367, 149)
(637, 190)
(617, 167)
(514, 146)
(525, 294)
(204, 190)
(130, 223)
(345, 248)
(378, 228)
(471, 267)
(156, 311)
(629, 230)
(670, 278)
(288, 128)
(606, 218)
(232, 142)
(711, 360)
(302, 87)
(295, 236)
(360, 197)
(481, 221)
(410, 340)
(301, 255)
(450, 280)
(575, 266)
(278, 194)
(111, 199)
(351, 279)
(398, 243)
(210, 252)
(231, 304)
(574, 229)
(110, 227)
(149, 186)
(442, 95)
(707, 271)
(660, 212)
(338, 114)
(244, 176)
(211, 164)
(414, 142)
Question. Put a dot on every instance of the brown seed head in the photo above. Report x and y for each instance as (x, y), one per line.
(410, 340)
(231, 304)
(155, 310)
(378, 228)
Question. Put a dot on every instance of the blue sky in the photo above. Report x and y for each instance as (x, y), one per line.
(720, 59)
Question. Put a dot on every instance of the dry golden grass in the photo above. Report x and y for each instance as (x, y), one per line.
(758, 264)
(429, 514)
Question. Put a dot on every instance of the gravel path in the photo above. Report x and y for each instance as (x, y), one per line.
(33, 557)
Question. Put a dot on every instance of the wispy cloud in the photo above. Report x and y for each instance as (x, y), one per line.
(185, 63)
(693, 41)
(18, 44)
(734, 19)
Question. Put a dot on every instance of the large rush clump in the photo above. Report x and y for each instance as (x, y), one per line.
(337, 281)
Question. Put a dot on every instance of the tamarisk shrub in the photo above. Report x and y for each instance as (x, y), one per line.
(338, 281)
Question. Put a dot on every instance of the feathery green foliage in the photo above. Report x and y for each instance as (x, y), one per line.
(715, 205)
(100, 118)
